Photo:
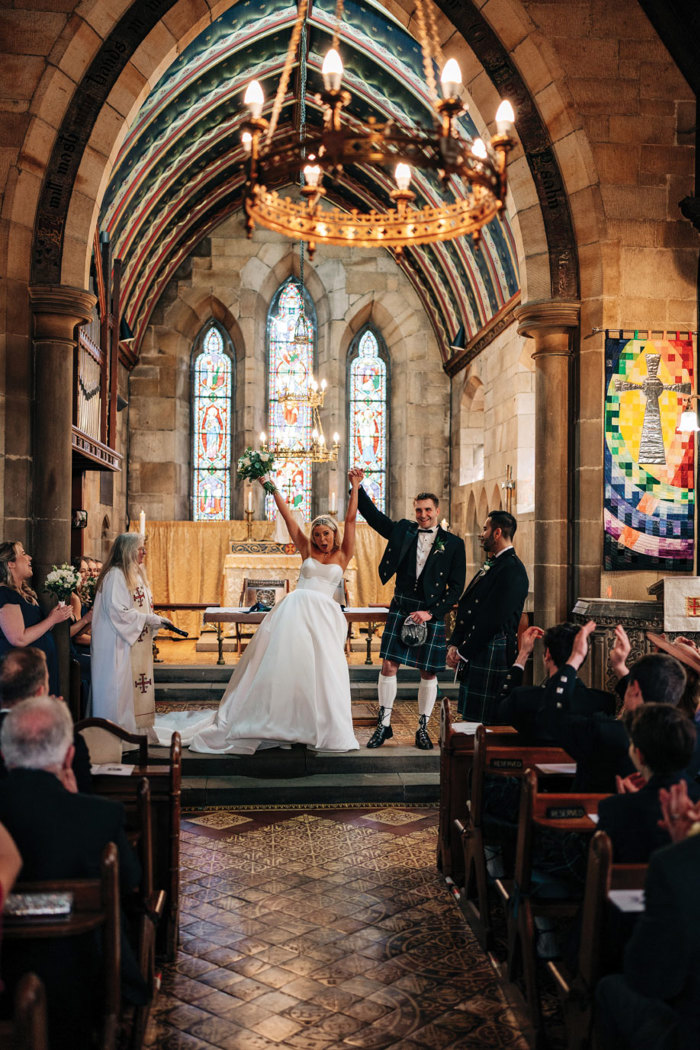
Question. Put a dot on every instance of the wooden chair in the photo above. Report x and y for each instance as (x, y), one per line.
(565, 813)
(456, 755)
(576, 990)
(95, 908)
(257, 590)
(495, 755)
(165, 780)
(28, 1028)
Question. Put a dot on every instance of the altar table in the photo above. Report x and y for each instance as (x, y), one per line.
(219, 615)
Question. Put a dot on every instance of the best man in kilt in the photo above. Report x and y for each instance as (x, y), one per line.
(430, 566)
(484, 641)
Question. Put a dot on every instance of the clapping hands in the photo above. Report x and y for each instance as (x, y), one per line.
(679, 813)
(527, 644)
(619, 653)
(579, 651)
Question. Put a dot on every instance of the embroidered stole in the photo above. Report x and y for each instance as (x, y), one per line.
(142, 663)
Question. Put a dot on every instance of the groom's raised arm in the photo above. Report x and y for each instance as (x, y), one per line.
(374, 518)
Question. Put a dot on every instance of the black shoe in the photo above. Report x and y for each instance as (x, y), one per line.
(381, 733)
(423, 741)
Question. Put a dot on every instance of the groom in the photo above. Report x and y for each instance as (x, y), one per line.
(430, 567)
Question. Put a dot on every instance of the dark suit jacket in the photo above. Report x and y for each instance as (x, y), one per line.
(662, 959)
(444, 571)
(81, 761)
(631, 821)
(598, 741)
(528, 710)
(491, 605)
(61, 835)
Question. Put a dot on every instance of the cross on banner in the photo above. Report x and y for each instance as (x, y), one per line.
(139, 596)
(651, 445)
(142, 683)
(692, 607)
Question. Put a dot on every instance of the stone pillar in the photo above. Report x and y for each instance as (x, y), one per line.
(551, 325)
(56, 311)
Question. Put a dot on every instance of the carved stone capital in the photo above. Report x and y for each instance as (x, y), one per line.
(546, 318)
(58, 309)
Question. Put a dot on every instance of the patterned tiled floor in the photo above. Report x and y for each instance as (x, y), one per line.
(326, 929)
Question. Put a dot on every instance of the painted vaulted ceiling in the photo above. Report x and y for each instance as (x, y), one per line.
(180, 171)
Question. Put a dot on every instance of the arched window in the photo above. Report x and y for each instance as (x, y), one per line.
(368, 406)
(212, 387)
(290, 357)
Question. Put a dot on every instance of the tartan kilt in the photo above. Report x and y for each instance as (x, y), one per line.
(431, 656)
(481, 682)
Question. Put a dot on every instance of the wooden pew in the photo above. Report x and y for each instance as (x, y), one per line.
(576, 990)
(165, 781)
(28, 1028)
(495, 755)
(565, 813)
(456, 754)
(95, 908)
(152, 907)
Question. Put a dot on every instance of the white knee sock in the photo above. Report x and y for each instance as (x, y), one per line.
(427, 695)
(386, 691)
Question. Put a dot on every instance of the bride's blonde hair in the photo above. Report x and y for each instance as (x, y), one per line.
(330, 523)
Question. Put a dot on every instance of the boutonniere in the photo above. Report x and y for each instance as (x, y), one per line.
(486, 566)
(439, 545)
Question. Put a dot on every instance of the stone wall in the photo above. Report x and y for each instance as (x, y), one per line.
(493, 427)
(232, 280)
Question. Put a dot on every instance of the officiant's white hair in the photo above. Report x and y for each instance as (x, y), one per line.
(330, 523)
(124, 555)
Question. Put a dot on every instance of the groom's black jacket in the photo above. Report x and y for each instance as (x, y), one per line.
(444, 572)
(492, 604)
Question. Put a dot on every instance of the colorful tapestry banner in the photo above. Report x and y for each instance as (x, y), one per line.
(649, 506)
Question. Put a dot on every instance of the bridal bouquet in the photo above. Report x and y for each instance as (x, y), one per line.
(253, 465)
(87, 590)
(62, 581)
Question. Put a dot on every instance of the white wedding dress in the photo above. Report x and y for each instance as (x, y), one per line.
(292, 685)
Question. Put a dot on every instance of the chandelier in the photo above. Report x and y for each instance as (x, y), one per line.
(318, 451)
(322, 155)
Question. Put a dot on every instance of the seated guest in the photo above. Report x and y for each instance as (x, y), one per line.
(655, 1003)
(526, 707)
(10, 864)
(21, 620)
(599, 741)
(686, 653)
(24, 674)
(61, 835)
(662, 741)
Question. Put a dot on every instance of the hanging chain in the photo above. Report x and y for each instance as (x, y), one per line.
(338, 19)
(287, 70)
(438, 57)
(425, 44)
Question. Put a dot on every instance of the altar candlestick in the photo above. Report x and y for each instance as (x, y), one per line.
(334, 505)
(250, 500)
(142, 523)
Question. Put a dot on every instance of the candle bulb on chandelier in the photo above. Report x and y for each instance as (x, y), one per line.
(247, 141)
(402, 174)
(451, 79)
(332, 70)
(254, 99)
(504, 117)
(479, 149)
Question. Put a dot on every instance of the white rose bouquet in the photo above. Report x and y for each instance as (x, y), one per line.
(253, 465)
(62, 581)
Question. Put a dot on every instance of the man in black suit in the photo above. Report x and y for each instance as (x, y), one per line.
(662, 742)
(61, 834)
(430, 565)
(484, 641)
(526, 707)
(655, 1003)
(599, 742)
(24, 673)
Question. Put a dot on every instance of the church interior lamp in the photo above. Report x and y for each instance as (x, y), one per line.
(473, 171)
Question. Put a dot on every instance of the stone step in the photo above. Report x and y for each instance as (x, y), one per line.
(213, 673)
(189, 692)
(328, 788)
(300, 762)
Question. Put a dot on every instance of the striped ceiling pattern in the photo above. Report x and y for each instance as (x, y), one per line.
(180, 170)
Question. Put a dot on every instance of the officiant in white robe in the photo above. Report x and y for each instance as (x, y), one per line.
(123, 627)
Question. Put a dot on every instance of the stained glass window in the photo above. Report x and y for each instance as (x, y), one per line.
(211, 445)
(290, 337)
(368, 416)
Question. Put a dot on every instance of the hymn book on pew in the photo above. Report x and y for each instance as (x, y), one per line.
(35, 905)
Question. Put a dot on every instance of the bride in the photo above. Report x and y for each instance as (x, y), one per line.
(292, 683)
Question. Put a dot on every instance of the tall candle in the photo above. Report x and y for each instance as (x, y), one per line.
(142, 522)
(334, 505)
(250, 499)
